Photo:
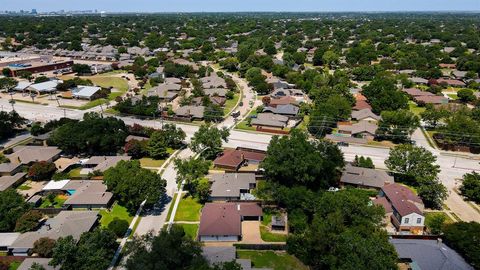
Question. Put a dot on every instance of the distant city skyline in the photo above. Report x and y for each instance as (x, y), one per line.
(244, 5)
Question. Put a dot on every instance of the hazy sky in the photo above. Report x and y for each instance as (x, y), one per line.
(243, 5)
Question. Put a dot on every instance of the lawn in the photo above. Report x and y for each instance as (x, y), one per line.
(57, 202)
(430, 215)
(453, 96)
(244, 124)
(415, 108)
(188, 209)
(117, 211)
(230, 103)
(14, 265)
(24, 187)
(190, 229)
(75, 173)
(150, 162)
(271, 237)
(271, 259)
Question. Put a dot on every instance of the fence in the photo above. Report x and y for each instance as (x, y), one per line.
(261, 246)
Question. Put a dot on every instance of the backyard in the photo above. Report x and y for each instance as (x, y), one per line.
(188, 209)
(117, 211)
(56, 203)
(271, 259)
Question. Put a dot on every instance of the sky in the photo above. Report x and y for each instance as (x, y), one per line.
(241, 5)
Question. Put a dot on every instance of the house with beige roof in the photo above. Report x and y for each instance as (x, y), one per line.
(28, 154)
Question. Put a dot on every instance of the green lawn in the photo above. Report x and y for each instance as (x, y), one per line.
(150, 162)
(271, 259)
(117, 211)
(230, 103)
(24, 187)
(414, 108)
(57, 202)
(430, 215)
(453, 96)
(190, 229)
(188, 209)
(75, 173)
(14, 265)
(271, 237)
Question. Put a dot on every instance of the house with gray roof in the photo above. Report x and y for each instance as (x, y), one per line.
(365, 177)
(429, 255)
(8, 169)
(102, 163)
(7, 239)
(28, 154)
(221, 92)
(270, 120)
(418, 80)
(283, 109)
(365, 115)
(10, 181)
(191, 112)
(28, 263)
(66, 223)
(22, 86)
(88, 194)
(163, 93)
(213, 81)
(362, 129)
(232, 186)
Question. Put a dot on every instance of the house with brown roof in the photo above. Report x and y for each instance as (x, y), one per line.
(362, 129)
(435, 100)
(451, 82)
(361, 105)
(222, 222)
(233, 160)
(415, 92)
(365, 177)
(403, 206)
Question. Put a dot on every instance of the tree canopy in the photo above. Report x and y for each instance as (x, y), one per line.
(207, 141)
(12, 207)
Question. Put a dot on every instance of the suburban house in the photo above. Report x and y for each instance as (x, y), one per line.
(415, 92)
(232, 186)
(28, 154)
(270, 120)
(163, 93)
(234, 160)
(8, 181)
(66, 223)
(450, 82)
(213, 81)
(10, 168)
(82, 193)
(222, 222)
(365, 115)
(287, 110)
(6, 240)
(102, 163)
(274, 102)
(404, 208)
(365, 177)
(362, 129)
(428, 255)
(86, 92)
(221, 92)
(436, 100)
(218, 100)
(191, 112)
(418, 80)
(360, 102)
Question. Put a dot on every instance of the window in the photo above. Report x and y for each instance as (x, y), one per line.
(419, 220)
(407, 220)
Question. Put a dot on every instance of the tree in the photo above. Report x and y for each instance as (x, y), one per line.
(296, 160)
(435, 223)
(168, 250)
(330, 58)
(12, 207)
(383, 94)
(93, 135)
(207, 141)
(10, 122)
(132, 184)
(416, 165)
(157, 145)
(363, 162)
(41, 79)
(174, 136)
(81, 69)
(118, 226)
(397, 126)
(470, 187)
(325, 114)
(28, 221)
(44, 247)
(7, 72)
(41, 170)
(94, 250)
(465, 239)
(213, 113)
(466, 95)
(344, 234)
(203, 190)
(7, 83)
(190, 171)
(269, 48)
(136, 149)
(432, 116)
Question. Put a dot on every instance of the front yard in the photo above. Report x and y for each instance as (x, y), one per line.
(190, 229)
(272, 259)
(188, 209)
(117, 211)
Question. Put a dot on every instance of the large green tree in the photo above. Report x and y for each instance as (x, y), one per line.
(207, 141)
(296, 160)
(470, 187)
(132, 184)
(383, 95)
(465, 239)
(397, 126)
(12, 207)
(10, 122)
(190, 171)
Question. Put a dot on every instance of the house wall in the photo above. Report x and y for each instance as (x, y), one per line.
(216, 238)
(411, 220)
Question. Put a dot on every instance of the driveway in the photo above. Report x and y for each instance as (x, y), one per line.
(251, 232)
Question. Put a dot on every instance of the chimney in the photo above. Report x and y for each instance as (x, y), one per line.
(439, 241)
(238, 207)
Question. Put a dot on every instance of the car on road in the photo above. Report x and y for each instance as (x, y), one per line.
(343, 144)
(236, 114)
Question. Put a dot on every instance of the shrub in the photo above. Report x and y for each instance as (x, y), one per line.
(119, 227)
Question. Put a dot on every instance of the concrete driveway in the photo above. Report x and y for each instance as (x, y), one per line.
(251, 232)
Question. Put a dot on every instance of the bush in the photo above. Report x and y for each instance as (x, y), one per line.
(118, 226)
(44, 247)
(28, 221)
(42, 170)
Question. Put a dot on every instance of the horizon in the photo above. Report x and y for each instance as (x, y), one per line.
(273, 6)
